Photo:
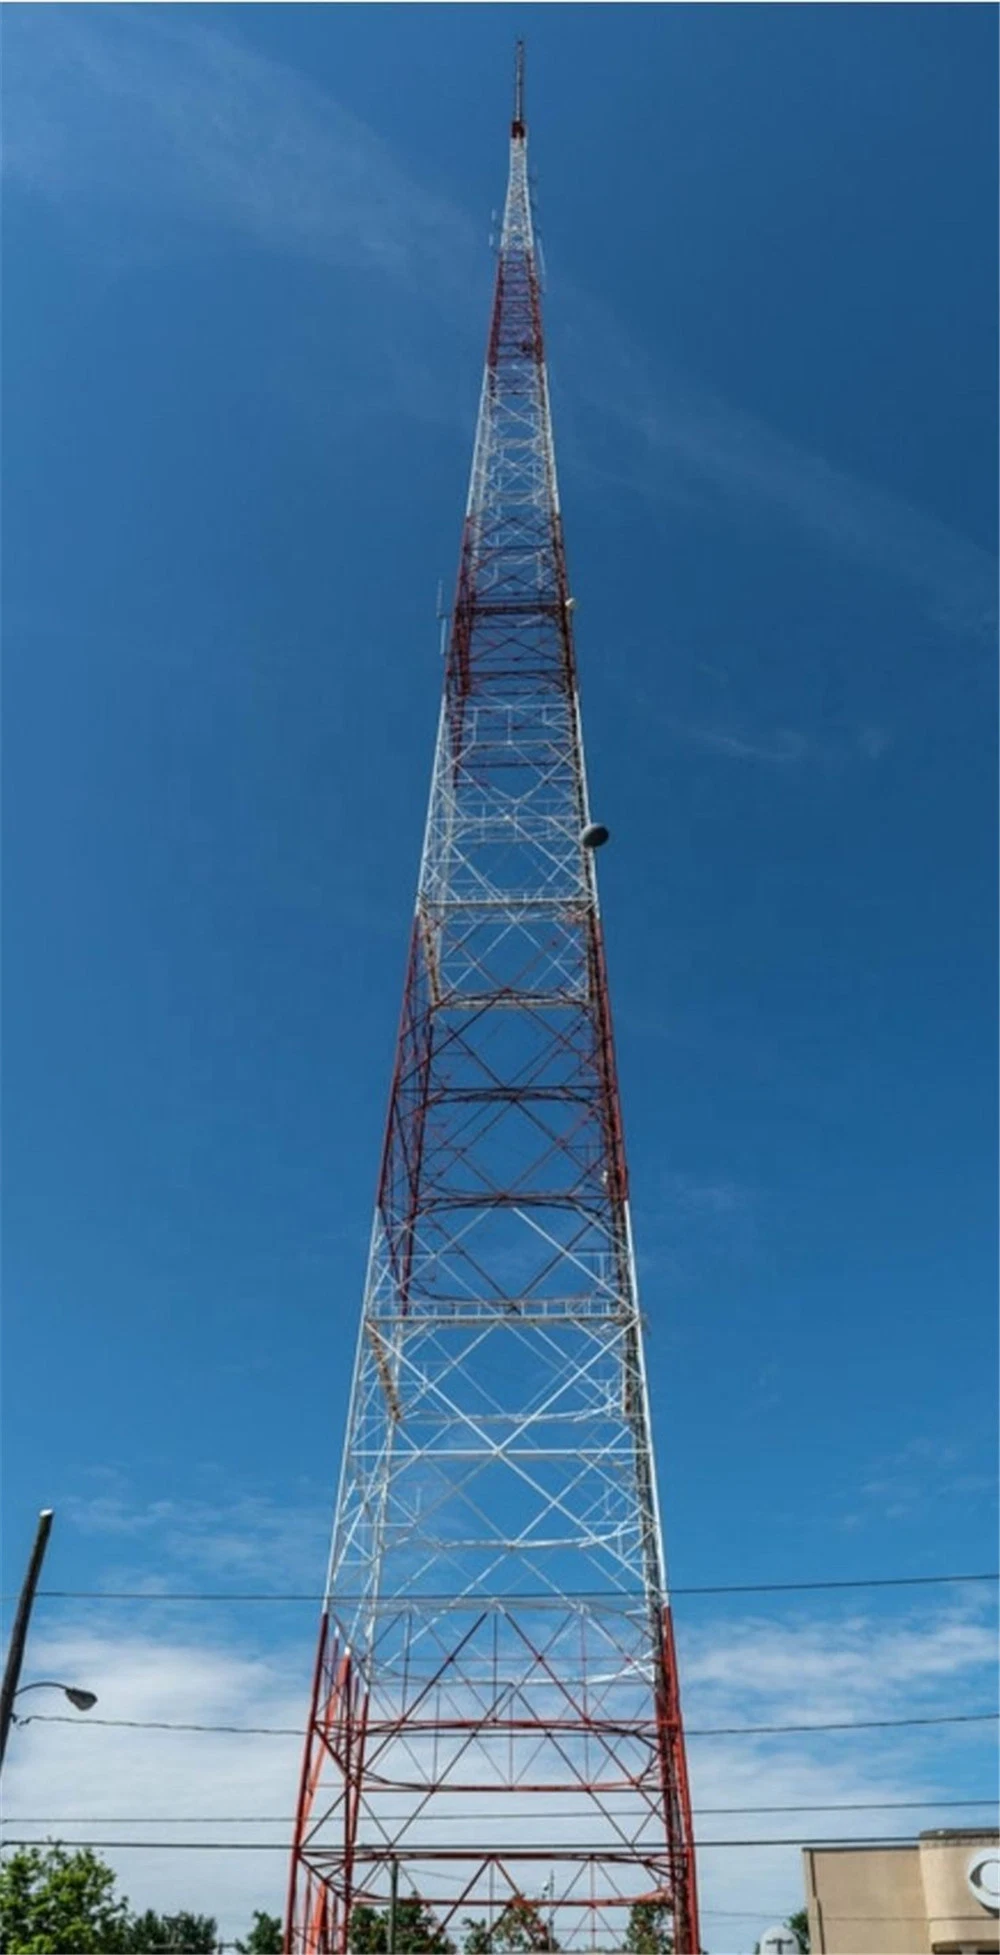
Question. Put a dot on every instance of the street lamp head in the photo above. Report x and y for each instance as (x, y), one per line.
(82, 1700)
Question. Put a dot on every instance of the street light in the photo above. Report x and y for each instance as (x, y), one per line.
(82, 1700)
(10, 1685)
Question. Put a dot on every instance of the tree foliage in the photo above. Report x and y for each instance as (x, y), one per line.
(799, 1925)
(58, 1900)
(521, 1926)
(52, 1900)
(266, 1937)
(417, 1930)
(367, 1934)
(173, 1934)
(648, 1931)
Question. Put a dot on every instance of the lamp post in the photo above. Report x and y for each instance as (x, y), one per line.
(82, 1700)
(19, 1633)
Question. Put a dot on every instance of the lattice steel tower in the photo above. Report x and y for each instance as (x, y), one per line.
(495, 1717)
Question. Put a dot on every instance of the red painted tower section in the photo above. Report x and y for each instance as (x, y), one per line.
(495, 1723)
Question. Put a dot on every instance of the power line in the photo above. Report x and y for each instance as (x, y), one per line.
(314, 1596)
(280, 1846)
(847, 1724)
(283, 1818)
(696, 1731)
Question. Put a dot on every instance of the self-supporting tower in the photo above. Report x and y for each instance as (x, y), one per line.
(495, 1724)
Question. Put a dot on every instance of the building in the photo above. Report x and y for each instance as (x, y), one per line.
(938, 1896)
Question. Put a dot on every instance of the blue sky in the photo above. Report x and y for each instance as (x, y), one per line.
(247, 283)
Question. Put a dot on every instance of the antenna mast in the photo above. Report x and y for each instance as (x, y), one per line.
(494, 1736)
(517, 126)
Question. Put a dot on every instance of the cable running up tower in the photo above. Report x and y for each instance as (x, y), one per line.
(495, 1724)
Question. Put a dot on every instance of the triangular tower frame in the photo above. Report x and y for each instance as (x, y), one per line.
(495, 1719)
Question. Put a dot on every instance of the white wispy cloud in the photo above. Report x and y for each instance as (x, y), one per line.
(816, 1672)
(241, 1537)
(693, 1196)
(872, 741)
(826, 1669)
(922, 1475)
(154, 110)
(698, 1224)
(707, 444)
(146, 106)
(83, 1780)
(786, 747)
(782, 746)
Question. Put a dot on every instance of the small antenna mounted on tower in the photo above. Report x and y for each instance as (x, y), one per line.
(442, 616)
(517, 126)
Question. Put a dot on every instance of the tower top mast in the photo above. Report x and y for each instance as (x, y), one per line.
(517, 127)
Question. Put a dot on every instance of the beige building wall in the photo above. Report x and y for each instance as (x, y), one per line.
(865, 1901)
(904, 1900)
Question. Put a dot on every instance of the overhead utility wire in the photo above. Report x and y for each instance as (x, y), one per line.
(497, 1812)
(726, 1588)
(696, 1731)
(280, 1846)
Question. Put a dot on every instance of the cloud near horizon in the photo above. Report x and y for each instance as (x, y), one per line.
(77, 1779)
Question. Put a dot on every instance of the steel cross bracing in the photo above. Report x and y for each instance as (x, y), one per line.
(496, 1641)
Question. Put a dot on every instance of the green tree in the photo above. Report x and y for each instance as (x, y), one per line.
(367, 1934)
(266, 1937)
(173, 1934)
(417, 1931)
(648, 1932)
(799, 1925)
(522, 1926)
(477, 1938)
(53, 1900)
